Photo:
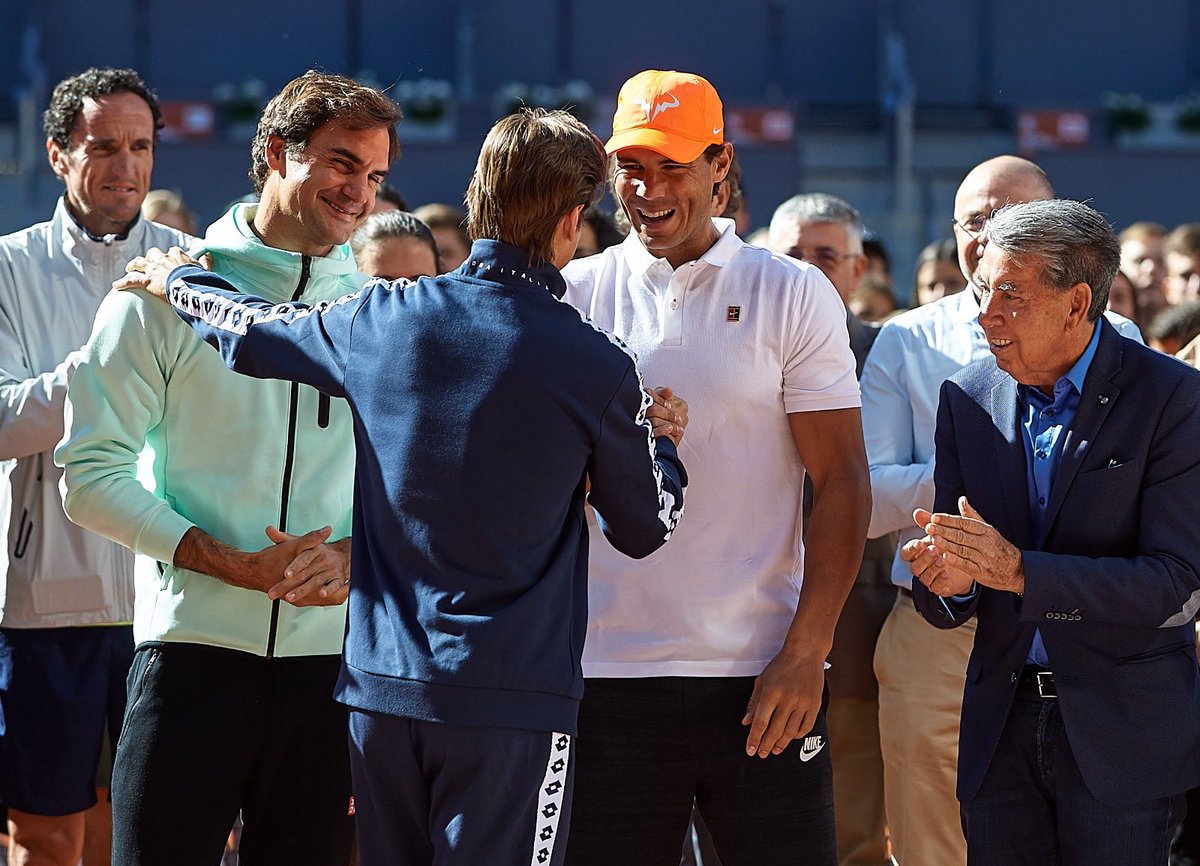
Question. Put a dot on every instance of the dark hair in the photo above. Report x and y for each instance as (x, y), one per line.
(737, 194)
(1072, 242)
(391, 195)
(67, 99)
(309, 102)
(394, 224)
(945, 250)
(603, 225)
(873, 248)
(1181, 321)
(535, 166)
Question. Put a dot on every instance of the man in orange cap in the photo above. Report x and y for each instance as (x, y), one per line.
(704, 663)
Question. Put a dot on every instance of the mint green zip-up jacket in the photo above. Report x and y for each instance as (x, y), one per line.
(230, 454)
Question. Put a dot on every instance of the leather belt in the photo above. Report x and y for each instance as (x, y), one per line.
(1038, 680)
(906, 592)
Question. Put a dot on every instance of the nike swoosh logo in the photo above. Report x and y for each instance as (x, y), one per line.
(811, 748)
(717, 130)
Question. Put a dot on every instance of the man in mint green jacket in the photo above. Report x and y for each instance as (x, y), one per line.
(240, 627)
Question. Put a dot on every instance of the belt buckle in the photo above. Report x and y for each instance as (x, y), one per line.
(1045, 684)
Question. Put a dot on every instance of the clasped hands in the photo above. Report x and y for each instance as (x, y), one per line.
(302, 570)
(961, 550)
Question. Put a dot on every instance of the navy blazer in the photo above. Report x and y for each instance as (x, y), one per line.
(1113, 584)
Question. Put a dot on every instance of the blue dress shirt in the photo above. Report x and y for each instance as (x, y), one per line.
(1045, 420)
(915, 352)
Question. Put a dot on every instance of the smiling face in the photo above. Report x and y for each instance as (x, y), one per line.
(316, 198)
(670, 204)
(107, 166)
(1035, 331)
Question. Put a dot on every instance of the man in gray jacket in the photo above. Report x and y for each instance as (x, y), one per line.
(67, 600)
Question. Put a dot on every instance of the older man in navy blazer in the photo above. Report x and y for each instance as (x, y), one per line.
(1067, 518)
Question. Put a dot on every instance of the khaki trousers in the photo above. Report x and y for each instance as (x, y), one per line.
(921, 672)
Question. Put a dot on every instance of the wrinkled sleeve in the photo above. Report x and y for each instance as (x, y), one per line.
(31, 402)
(940, 612)
(818, 366)
(116, 396)
(899, 483)
(296, 342)
(637, 479)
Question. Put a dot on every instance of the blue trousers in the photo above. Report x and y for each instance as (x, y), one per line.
(432, 794)
(1034, 809)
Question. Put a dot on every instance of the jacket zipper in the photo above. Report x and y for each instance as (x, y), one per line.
(289, 458)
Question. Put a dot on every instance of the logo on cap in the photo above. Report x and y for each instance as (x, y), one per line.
(659, 108)
(675, 114)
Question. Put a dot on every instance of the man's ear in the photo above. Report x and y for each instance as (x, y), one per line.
(57, 156)
(566, 236)
(276, 158)
(860, 266)
(721, 162)
(1081, 301)
(571, 225)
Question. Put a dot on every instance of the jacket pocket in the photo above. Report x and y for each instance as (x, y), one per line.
(1156, 653)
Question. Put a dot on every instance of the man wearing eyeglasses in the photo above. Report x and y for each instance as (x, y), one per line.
(921, 669)
(826, 231)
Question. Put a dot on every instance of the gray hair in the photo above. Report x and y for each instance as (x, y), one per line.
(819, 207)
(1073, 243)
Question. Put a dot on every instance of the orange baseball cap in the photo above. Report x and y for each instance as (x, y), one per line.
(676, 114)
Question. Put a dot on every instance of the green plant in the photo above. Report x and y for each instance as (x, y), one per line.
(1187, 113)
(1126, 112)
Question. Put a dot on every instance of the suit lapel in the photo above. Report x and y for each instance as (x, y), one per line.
(1097, 400)
(1010, 459)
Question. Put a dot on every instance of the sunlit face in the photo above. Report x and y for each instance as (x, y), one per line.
(405, 258)
(936, 280)
(1182, 282)
(324, 192)
(450, 244)
(1035, 332)
(1121, 297)
(670, 204)
(1142, 260)
(984, 191)
(826, 245)
(106, 167)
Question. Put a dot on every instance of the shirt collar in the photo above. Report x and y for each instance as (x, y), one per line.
(640, 259)
(83, 232)
(1072, 379)
(1079, 369)
(964, 306)
(504, 263)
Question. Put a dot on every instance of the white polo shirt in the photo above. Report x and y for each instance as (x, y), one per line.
(745, 336)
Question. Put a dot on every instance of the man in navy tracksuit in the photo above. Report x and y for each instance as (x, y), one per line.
(484, 407)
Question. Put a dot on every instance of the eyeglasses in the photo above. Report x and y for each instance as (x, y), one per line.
(826, 256)
(974, 225)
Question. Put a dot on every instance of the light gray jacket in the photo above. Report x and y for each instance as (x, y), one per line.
(52, 279)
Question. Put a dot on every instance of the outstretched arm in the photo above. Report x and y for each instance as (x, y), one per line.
(293, 341)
